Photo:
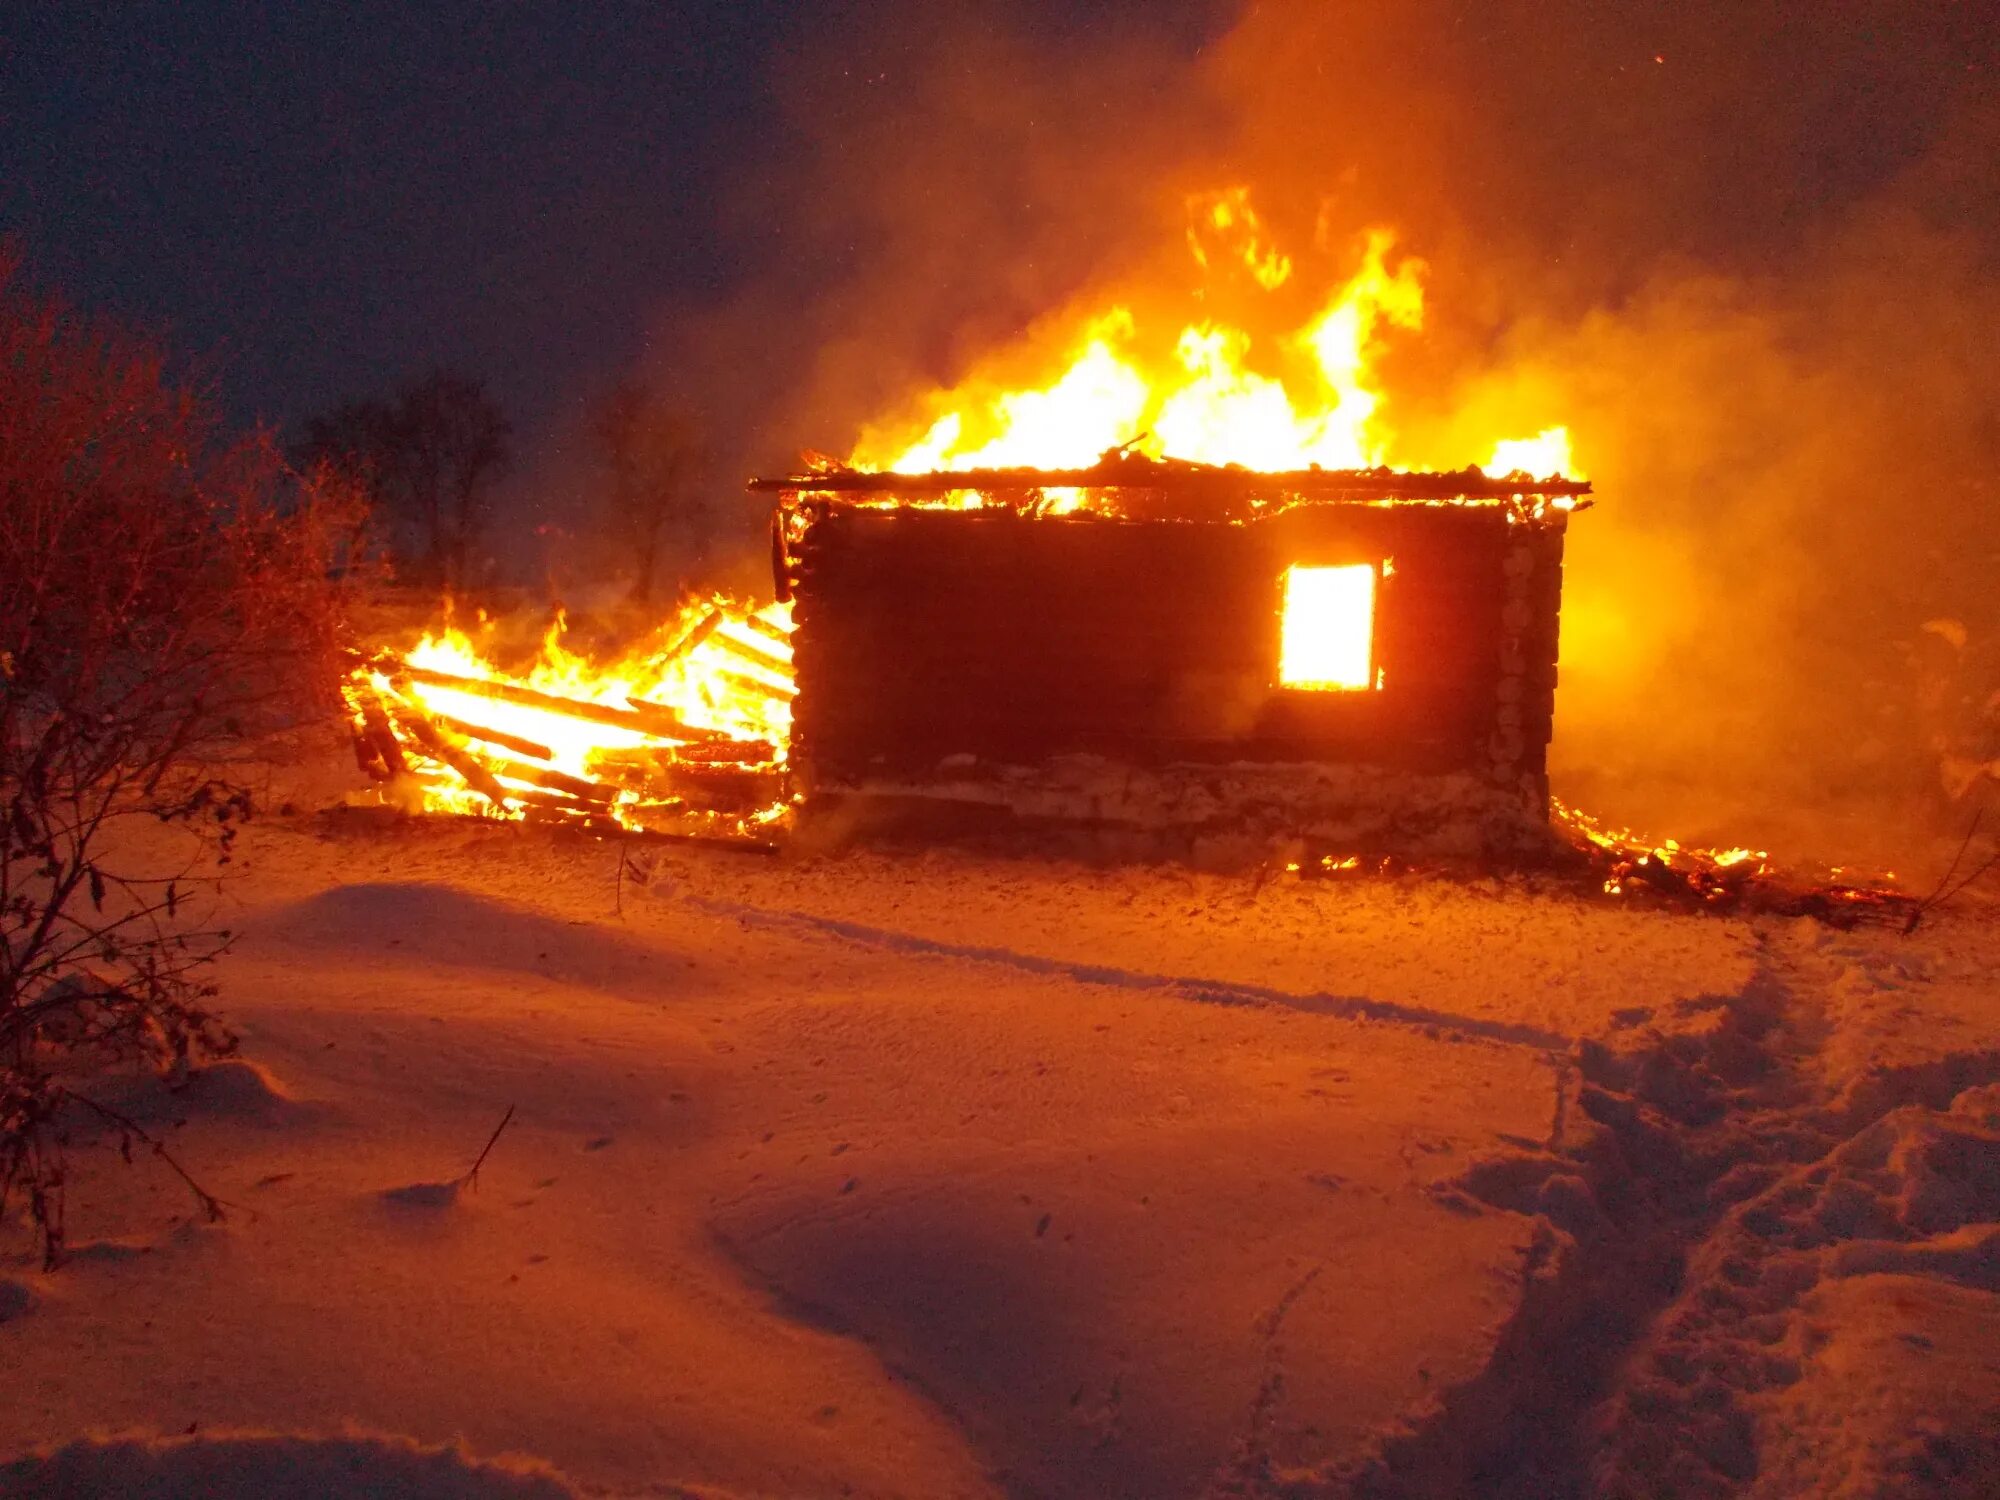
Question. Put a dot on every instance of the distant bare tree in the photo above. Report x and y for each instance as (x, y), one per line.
(654, 453)
(430, 457)
(164, 595)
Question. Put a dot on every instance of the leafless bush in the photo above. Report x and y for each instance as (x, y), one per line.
(164, 594)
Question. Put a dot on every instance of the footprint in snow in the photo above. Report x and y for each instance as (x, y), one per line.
(431, 1195)
(15, 1300)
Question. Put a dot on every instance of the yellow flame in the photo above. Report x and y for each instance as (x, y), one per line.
(1211, 401)
(1226, 222)
(1326, 638)
(1545, 454)
(735, 681)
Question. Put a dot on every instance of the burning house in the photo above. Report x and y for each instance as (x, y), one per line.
(996, 614)
(1359, 660)
(1159, 652)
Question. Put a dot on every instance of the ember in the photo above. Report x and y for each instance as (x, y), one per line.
(1735, 879)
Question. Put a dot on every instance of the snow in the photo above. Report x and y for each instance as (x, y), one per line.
(946, 1175)
(276, 1465)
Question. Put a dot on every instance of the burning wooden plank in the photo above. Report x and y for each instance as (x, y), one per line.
(784, 692)
(595, 747)
(517, 743)
(438, 747)
(729, 752)
(702, 629)
(376, 749)
(643, 718)
(759, 652)
(716, 786)
(595, 792)
(769, 629)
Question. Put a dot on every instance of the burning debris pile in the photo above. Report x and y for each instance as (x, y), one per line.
(1734, 880)
(683, 735)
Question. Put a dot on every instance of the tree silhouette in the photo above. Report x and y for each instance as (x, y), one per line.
(654, 452)
(430, 457)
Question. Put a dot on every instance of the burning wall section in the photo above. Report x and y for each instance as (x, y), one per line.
(1120, 647)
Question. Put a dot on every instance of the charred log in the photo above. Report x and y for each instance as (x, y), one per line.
(702, 629)
(376, 750)
(728, 752)
(719, 787)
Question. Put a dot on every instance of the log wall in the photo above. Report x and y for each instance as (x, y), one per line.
(925, 634)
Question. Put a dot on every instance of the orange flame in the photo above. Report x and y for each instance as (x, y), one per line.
(1326, 638)
(1216, 394)
(719, 675)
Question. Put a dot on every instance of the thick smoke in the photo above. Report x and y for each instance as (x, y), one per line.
(1746, 252)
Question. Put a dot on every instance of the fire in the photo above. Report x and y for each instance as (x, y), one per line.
(1326, 638)
(1224, 223)
(1061, 426)
(1541, 456)
(691, 725)
(1214, 393)
(696, 722)
(1712, 875)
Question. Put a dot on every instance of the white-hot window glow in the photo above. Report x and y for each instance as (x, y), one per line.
(1328, 635)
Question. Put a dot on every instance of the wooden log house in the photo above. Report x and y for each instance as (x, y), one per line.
(1120, 646)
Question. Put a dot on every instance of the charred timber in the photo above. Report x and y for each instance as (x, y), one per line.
(733, 789)
(701, 630)
(728, 752)
(556, 802)
(714, 784)
(1136, 473)
(376, 749)
(765, 628)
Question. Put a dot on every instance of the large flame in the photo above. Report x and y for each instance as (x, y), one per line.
(1215, 393)
(709, 693)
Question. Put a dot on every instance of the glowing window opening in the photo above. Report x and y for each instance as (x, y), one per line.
(1326, 639)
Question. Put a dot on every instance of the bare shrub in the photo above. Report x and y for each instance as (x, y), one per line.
(164, 595)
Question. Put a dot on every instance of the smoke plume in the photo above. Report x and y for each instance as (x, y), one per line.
(1746, 252)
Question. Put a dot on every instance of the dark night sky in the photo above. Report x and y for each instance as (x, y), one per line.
(803, 212)
(321, 199)
(316, 201)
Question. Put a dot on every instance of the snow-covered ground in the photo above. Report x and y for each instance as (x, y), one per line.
(934, 1175)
